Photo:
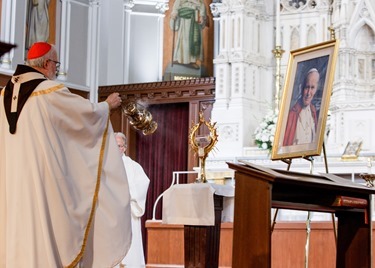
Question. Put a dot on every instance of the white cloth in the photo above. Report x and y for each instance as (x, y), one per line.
(138, 185)
(189, 204)
(227, 192)
(192, 204)
(49, 171)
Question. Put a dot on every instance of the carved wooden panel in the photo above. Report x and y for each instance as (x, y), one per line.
(164, 92)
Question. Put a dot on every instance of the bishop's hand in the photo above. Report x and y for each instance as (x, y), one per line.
(114, 100)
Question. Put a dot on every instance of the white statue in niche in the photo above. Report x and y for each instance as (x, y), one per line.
(37, 22)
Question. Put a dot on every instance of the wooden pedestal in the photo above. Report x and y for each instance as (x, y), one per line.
(202, 242)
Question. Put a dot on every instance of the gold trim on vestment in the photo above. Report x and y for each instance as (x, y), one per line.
(41, 92)
(46, 91)
(95, 199)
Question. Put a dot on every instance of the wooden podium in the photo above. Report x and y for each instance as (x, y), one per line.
(198, 206)
(259, 189)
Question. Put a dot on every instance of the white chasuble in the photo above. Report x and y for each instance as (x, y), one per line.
(64, 196)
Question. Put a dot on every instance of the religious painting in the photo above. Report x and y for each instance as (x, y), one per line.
(352, 150)
(305, 101)
(188, 40)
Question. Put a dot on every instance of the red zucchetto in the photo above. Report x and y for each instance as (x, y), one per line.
(38, 50)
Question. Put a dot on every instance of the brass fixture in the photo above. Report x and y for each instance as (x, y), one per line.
(139, 118)
(202, 145)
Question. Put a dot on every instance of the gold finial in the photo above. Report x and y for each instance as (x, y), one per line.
(278, 52)
(332, 32)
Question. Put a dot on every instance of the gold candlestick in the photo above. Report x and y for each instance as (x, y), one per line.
(278, 52)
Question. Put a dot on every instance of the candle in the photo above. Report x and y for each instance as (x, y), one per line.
(278, 43)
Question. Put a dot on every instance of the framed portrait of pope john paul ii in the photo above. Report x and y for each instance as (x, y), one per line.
(305, 101)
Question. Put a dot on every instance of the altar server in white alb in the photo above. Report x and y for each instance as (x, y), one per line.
(138, 185)
(64, 196)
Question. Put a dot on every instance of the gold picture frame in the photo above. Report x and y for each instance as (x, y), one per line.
(352, 150)
(304, 106)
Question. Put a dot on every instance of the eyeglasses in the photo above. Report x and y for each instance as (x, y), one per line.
(56, 62)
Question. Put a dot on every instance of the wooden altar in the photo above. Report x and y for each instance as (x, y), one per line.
(259, 189)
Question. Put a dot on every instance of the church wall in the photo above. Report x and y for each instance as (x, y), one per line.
(76, 57)
(131, 43)
(75, 34)
(145, 47)
(354, 85)
(13, 21)
(118, 42)
(246, 51)
(351, 122)
(111, 42)
(98, 42)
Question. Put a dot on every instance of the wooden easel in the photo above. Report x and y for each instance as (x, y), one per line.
(288, 161)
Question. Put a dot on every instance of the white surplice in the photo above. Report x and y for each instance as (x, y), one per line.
(138, 185)
(62, 161)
